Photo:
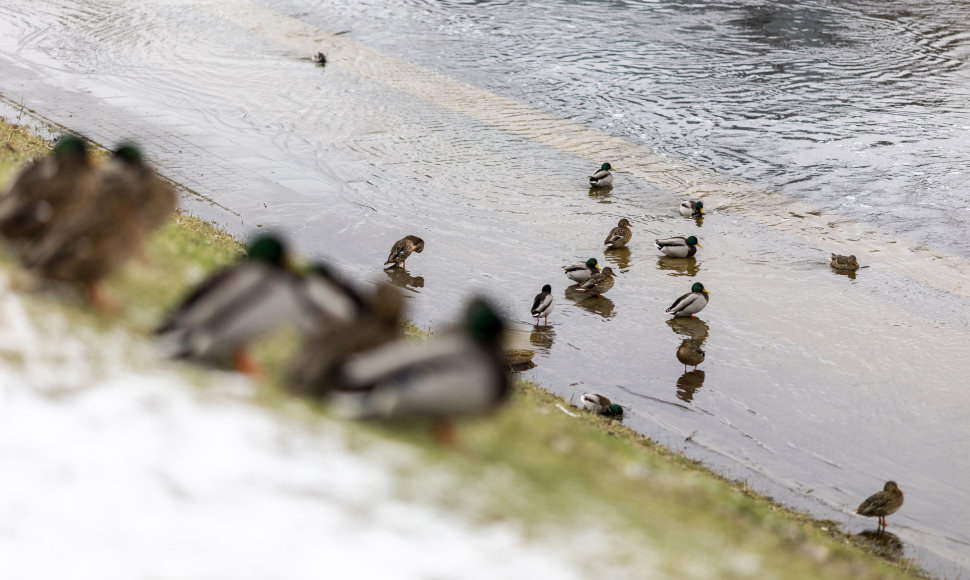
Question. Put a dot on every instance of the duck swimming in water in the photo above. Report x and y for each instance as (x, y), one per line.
(691, 303)
(582, 272)
(678, 246)
(600, 283)
(843, 262)
(619, 236)
(691, 208)
(602, 177)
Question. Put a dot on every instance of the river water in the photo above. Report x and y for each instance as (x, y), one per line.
(806, 127)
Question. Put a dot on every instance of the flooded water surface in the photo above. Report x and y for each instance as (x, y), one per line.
(808, 128)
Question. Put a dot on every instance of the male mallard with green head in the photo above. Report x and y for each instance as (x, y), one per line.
(688, 353)
(402, 249)
(233, 307)
(618, 236)
(453, 374)
(882, 503)
(582, 272)
(542, 304)
(602, 177)
(691, 303)
(692, 208)
(601, 405)
(600, 283)
(843, 262)
(678, 246)
(48, 191)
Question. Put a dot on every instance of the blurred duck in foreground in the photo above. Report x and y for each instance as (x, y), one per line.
(326, 299)
(843, 262)
(453, 374)
(618, 236)
(688, 353)
(233, 307)
(542, 304)
(882, 503)
(582, 272)
(601, 405)
(402, 249)
(691, 208)
(599, 283)
(314, 371)
(691, 303)
(602, 177)
(678, 246)
(99, 235)
(48, 190)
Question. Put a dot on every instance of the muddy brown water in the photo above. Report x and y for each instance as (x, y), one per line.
(807, 128)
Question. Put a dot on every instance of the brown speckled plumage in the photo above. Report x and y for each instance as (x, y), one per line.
(843, 262)
(882, 503)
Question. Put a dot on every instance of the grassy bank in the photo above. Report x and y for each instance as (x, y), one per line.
(634, 505)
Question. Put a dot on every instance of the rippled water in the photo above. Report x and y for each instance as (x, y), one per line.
(817, 387)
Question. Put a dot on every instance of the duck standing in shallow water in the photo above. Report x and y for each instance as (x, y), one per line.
(618, 236)
(691, 208)
(320, 58)
(402, 249)
(691, 303)
(601, 405)
(582, 272)
(882, 503)
(542, 304)
(603, 177)
(843, 262)
(217, 320)
(600, 283)
(678, 246)
(689, 353)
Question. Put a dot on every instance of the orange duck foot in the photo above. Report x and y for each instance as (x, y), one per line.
(244, 363)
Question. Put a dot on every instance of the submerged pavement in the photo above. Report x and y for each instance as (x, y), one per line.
(817, 387)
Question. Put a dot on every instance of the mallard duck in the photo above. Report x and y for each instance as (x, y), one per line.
(319, 58)
(843, 262)
(601, 405)
(582, 272)
(600, 283)
(542, 304)
(156, 198)
(326, 299)
(692, 208)
(619, 236)
(453, 374)
(689, 353)
(233, 307)
(48, 191)
(402, 249)
(102, 232)
(603, 177)
(314, 370)
(691, 303)
(882, 503)
(678, 246)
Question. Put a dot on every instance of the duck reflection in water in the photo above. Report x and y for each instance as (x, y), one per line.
(402, 279)
(692, 328)
(595, 304)
(542, 337)
(850, 274)
(688, 384)
(619, 257)
(601, 194)
(886, 544)
(678, 266)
